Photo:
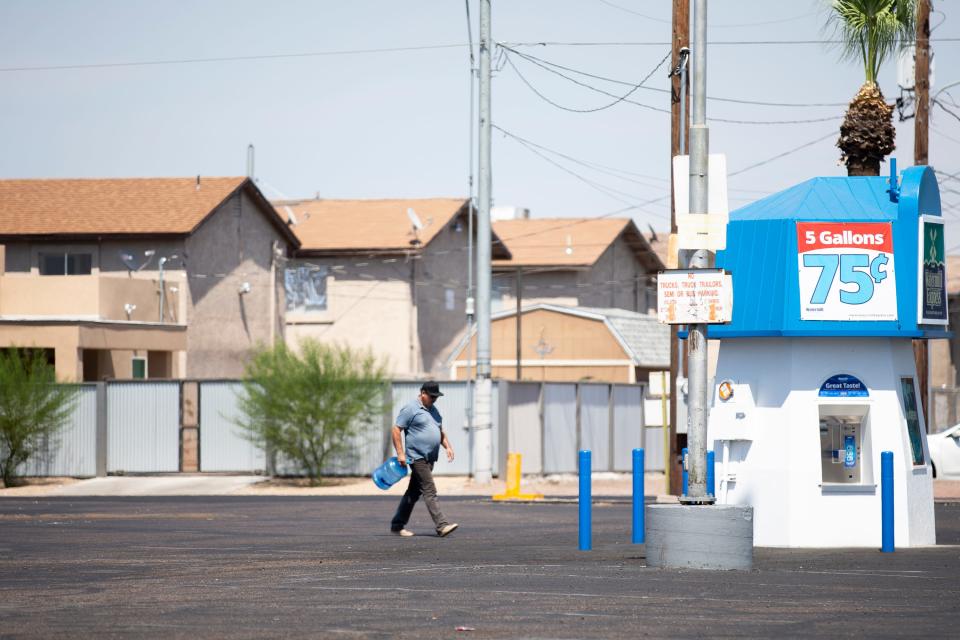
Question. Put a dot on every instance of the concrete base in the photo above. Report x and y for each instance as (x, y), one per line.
(699, 537)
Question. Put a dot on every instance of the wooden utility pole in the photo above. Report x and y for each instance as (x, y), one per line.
(678, 122)
(921, 352)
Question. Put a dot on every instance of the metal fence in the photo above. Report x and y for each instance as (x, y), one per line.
(137, 427)
(73, 451)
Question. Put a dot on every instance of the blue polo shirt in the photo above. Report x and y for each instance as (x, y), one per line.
(421, 428)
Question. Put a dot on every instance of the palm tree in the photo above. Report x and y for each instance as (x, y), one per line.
(870, 31)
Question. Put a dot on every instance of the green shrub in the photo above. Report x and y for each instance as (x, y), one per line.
(33, 407)
(306, 406)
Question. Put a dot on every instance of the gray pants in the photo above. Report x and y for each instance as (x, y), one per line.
(421, 483)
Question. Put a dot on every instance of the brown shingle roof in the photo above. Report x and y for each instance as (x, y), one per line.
(360, 225)
(110, 206)
(573, 242)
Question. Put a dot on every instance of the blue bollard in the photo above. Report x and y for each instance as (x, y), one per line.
(710, 476)
(683, 459)
(638, 497)
(586, 537)
(886, 498)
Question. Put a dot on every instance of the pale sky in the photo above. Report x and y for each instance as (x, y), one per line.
(396, 123)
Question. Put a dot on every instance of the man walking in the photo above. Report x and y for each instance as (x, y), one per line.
(422, 426)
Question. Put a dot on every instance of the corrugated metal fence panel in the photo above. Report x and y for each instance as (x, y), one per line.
(73, 451)
(364, 451)
(143, 427)
(560, 428)
(628, 427)
(524, 435)
(453, 408)
(223, 446)
(653, 448)
(595, 424)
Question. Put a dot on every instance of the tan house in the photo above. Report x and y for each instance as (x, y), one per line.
(384, 275)
(588, 262)
(569, 344)
(140, 277)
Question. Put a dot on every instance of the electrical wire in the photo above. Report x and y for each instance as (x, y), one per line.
(944, 107)
(633, 102)
(713, 43)
(618, 99)
(610, 171)
(712, 26)
(781, 155)
(608, 191)
(531, 58)
(274, 56)
(944, 135)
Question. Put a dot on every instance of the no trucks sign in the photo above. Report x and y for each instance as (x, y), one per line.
(694, 297)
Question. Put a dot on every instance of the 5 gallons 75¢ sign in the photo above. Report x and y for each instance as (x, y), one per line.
(846, 271)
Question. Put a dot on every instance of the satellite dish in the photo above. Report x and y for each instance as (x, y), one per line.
(127, 259)
(906, 61)
(130, 260)
(414, 219)
(291, 218)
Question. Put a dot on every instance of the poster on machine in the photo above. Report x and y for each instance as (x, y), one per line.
(846, 271)
(932, 272)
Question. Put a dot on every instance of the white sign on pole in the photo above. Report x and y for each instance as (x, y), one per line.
(702, 296)
(846, 271)
(702, 231)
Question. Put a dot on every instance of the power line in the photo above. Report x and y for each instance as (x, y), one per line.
(275, 56)
(610, 192)
(945, 136)
(531, 58)
(712, 26)
(781, 155)
(557, 43)
(618, 99)
(633, 102)
(608, 170)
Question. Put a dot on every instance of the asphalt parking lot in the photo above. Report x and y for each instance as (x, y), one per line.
(255, 567)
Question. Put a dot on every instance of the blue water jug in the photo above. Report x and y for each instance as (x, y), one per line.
(389, 473)
(849, 452)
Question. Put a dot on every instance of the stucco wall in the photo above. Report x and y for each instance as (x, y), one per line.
(616, 280)
(554, 346)
(372, 304)
(442, 272)
(233, 246)
(368, 307)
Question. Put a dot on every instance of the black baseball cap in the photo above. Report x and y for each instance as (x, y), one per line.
(431, 388)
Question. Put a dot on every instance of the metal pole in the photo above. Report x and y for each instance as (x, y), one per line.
(638, 497)
(701, 259)
(519, 307)
(586, 536)
(484, 390)
(684, 58)
(162, 260)
(471, 209)
(886, 500)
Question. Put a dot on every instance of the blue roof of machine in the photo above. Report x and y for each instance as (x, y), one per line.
(761, 253)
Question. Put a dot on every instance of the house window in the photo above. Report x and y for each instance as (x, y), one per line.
(306, 288)
(139, 368)
(65, 264)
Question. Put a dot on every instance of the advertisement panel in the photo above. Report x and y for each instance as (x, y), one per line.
(846, 271)
(932, 270)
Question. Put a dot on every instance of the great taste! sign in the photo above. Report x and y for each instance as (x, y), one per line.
(846, 271)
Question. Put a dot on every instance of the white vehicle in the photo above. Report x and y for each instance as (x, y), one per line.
(945, 452)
